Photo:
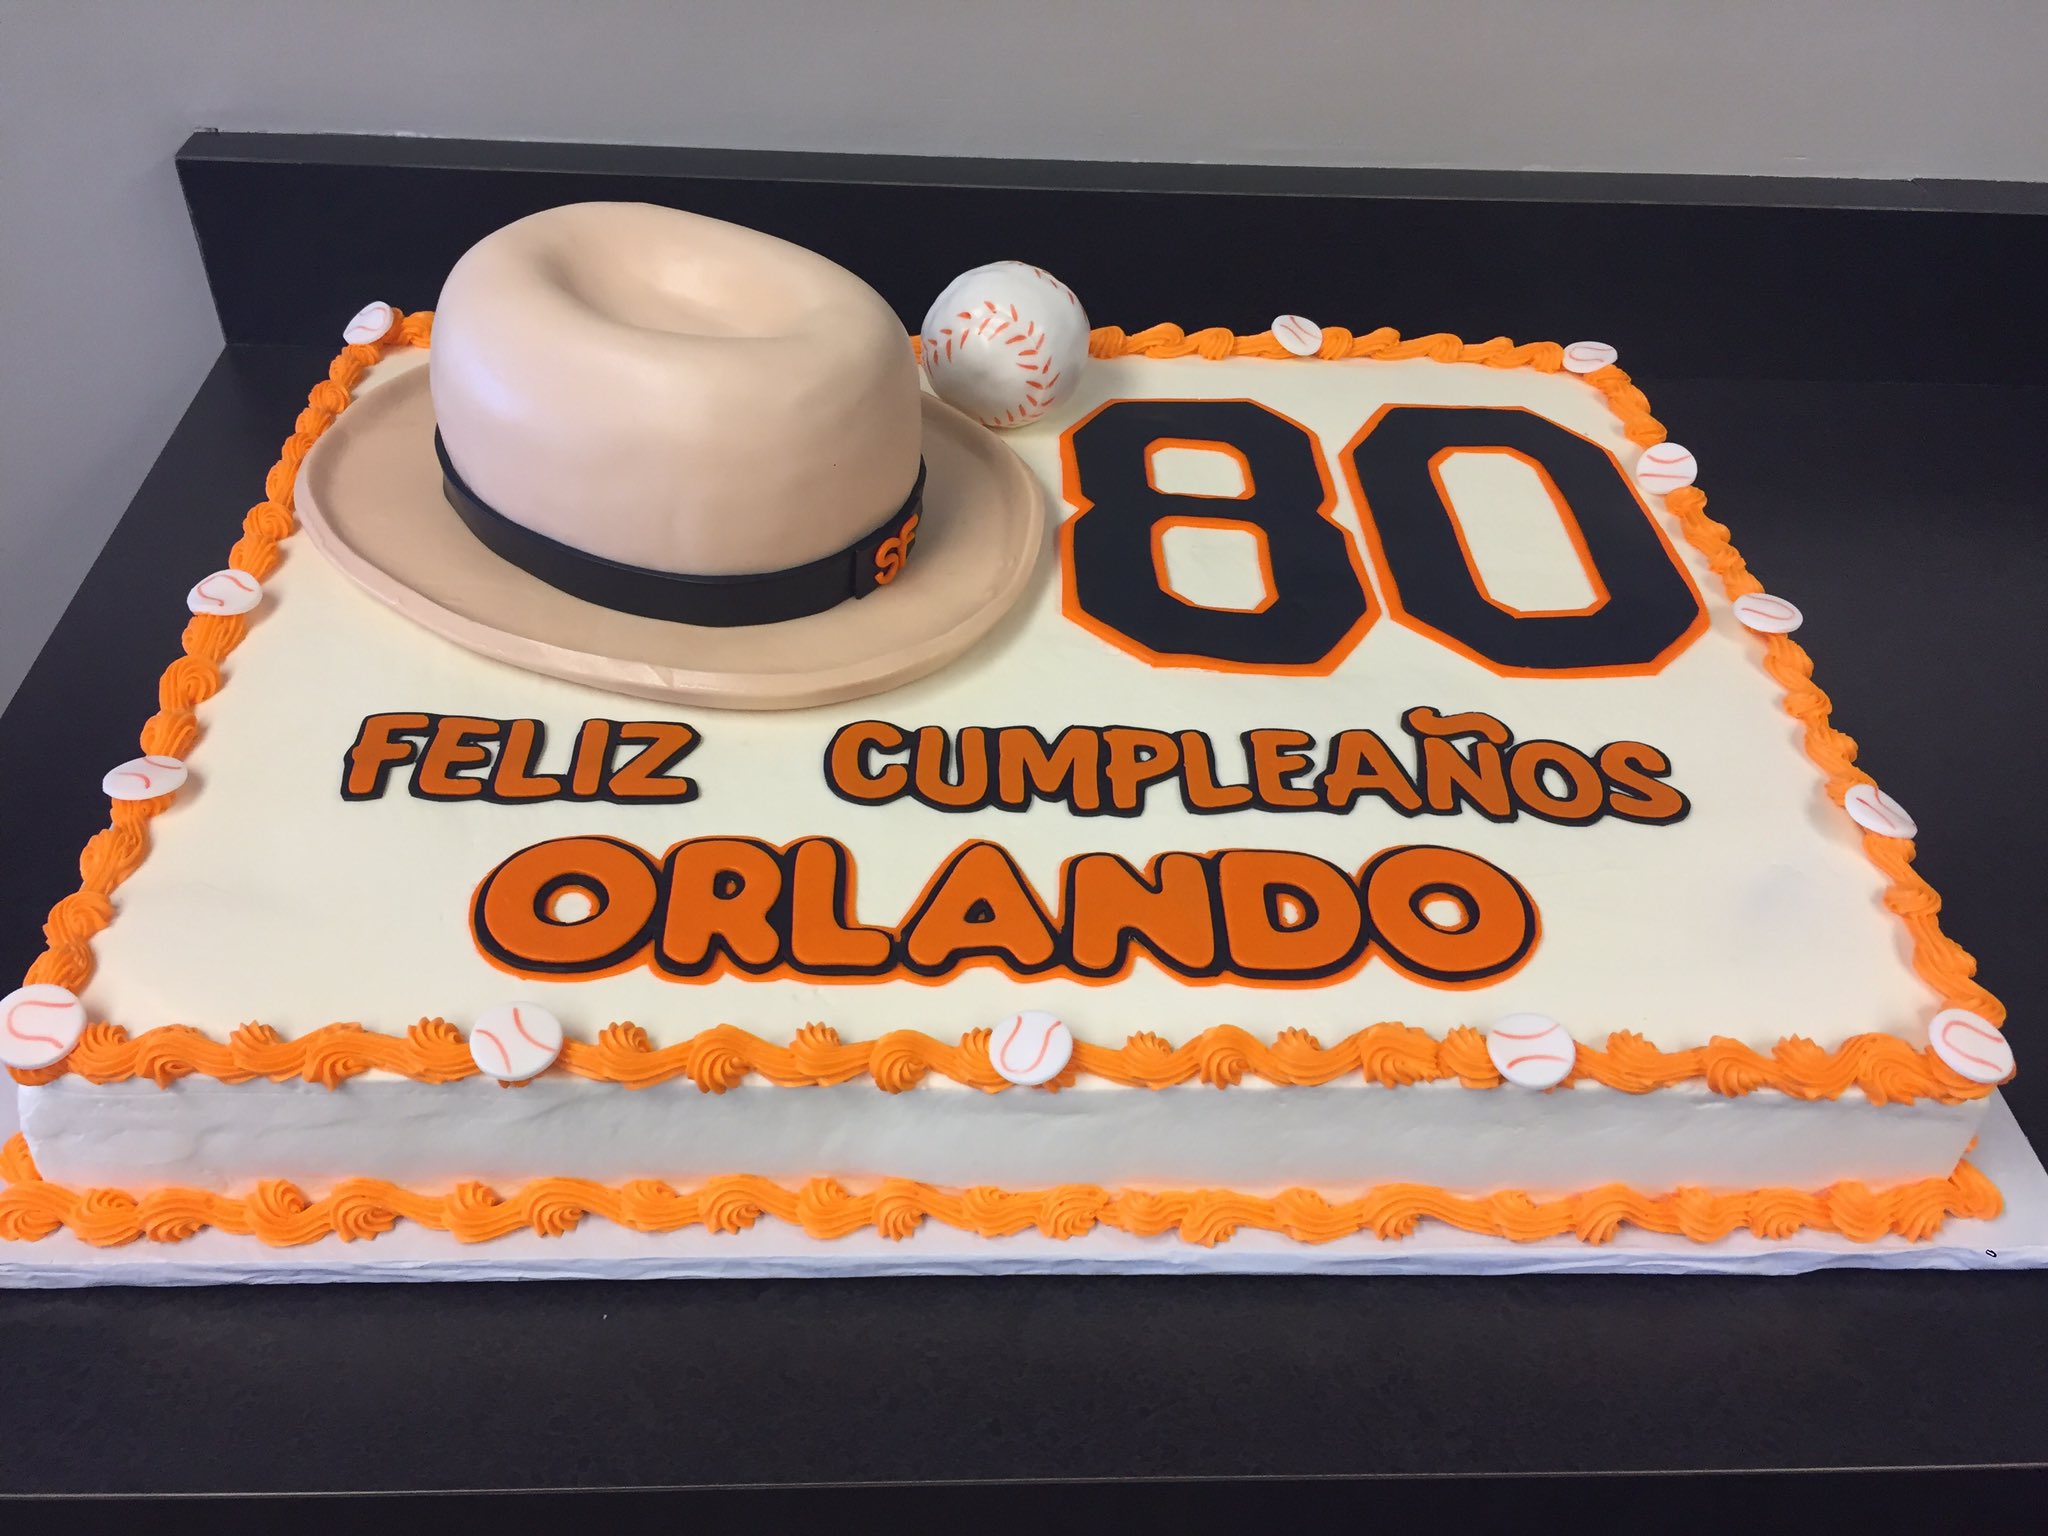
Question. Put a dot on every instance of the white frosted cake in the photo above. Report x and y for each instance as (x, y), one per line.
(1374, 790)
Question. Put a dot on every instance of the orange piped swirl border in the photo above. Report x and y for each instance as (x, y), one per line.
(1883, 1066)
(278, 1213)
(111, 855)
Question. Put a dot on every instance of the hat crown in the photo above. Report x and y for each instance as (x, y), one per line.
(673, 392)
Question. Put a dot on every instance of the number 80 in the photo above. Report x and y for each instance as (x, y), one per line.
(1645, 612)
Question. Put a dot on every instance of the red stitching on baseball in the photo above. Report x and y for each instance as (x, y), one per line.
(1948, 1035)
(520, 1025)
(234, 579)
(1016, 1029)
(1873, 799)
(22, 1034)
(503, 1055)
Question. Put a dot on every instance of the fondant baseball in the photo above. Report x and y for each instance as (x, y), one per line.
(1971, 1046)
(1767, 615)
(1666, 467)
(39, 1024)
(1004, 343)
(227, 591)
(1531, 1051)
(370, 323)
(1030, 1048)
(1875, 811)
(515, 1041)
(1298, 334)
(1588, 356)
(143, 778)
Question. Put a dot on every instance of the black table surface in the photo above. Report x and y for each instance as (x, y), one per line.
(1905, 519)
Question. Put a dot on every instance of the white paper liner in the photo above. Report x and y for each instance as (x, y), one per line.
(597, 1250)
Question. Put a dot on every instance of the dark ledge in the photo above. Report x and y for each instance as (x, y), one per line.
(1691, 276)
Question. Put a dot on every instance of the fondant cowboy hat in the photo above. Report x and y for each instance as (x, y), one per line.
(664, 455)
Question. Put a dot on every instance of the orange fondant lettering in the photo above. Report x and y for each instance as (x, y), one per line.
(721, 895)
(592, 756)
(1275, 757)
(1424, 721)
(1448, 776)
(512, 776)
(824, 939)
(1134, 758)
(645, 775)
(452, 746)
(928, 768)
(1361, 764)
(1069, 769)
(1287, 914)
(383, 742)
(1638, 768)
(1198, 777)
(1494, 932)
(515, 916)
(846, 762)
(1167, 910)
(1255, 915)
(979, 905)
(1525, 773)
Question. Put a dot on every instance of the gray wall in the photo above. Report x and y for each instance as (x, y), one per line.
(105, 329)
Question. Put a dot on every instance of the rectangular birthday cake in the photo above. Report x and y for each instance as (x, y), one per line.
(665, 748)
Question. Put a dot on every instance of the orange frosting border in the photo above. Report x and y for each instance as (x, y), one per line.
(279, 1214)
(1883, 1066)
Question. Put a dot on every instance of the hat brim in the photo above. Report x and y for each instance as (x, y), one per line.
(369, 498)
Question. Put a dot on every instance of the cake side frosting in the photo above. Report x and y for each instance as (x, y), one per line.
(279, 1214)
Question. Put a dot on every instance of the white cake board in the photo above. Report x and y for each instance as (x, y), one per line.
(2017, 1239)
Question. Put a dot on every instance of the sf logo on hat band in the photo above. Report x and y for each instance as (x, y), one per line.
(890, 558)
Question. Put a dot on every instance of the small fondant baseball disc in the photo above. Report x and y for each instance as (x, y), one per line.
(143, 778)
(1005, 343)
(1767, 615)
(1971, 1046)
(1875, 811)
(1588, 356)
(228, 591)
(1298, 334)
(370, 323)
(1030, 1048)
(515, 1041)
(1531, 1051)
(39, 1023)
(1666, 467)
